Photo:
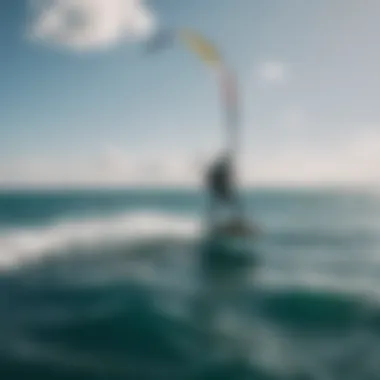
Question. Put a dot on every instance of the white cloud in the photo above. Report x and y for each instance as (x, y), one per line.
(111, 167)
(354, 159)
(89, 24)
(274, 72)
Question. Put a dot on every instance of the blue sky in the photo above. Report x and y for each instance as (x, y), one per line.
(88, 108)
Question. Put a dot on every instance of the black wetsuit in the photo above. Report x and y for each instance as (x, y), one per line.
(223, 194)
(220, 181)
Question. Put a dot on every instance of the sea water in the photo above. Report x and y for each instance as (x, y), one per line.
(100, 284)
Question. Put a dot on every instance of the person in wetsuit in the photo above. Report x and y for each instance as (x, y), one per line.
(220, 181)
(222, 189)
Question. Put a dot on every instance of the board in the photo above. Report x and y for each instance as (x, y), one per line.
(228, 251)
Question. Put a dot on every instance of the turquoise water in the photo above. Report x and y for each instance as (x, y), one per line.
(101, 285)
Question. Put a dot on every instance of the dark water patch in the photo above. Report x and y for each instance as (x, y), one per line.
(140, 333)
(137, 340)
(317, 311)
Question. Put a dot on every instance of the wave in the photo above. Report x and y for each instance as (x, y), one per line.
(116, 238)
(283, 335)
(302, 320)
(20, 246)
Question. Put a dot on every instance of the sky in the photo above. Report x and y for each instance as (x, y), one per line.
(81, 105)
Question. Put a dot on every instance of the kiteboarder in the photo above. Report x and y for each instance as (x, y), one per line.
(220, 183)
(226, 213)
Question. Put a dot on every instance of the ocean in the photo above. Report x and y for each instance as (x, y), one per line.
(101, 284)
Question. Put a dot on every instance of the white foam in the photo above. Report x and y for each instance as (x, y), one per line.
(357, 285)
(24, 245)
(20, 246)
